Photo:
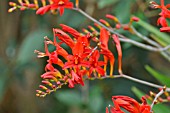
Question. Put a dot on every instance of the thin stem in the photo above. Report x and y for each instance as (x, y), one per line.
(151, 48)
(122, 38)
(145, 38)
(159, 49)
(135, 80)
(156, 97)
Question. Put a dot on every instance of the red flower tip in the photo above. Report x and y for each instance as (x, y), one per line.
(70, 30)
(162, 21)
(43, 10)
(165, 29)
(107, 110)
(112, 17)
(12, 4)
(136, 19)
(104, 22)
(126, 27)
(118, 26)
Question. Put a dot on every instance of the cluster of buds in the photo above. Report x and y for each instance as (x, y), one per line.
(51, 5)
(159, 99)
(128, 104)
(79, 64)
(165, 14)
(24, 4)
(118, 24)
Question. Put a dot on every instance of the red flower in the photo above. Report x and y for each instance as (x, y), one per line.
(165, 13)
(95, 65)
(77, 59)
(104, 38)
(119, 50)
(70, 30)
(76, 78)
(56, 4)
(65, 38)
(128, 104)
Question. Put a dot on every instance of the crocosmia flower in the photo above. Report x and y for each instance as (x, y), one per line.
(55, 4)
(129, 104)
(81, 62)
(165, 14)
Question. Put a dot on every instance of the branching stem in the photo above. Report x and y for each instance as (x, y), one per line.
(125, 39)
(156, 97)
(135, 80)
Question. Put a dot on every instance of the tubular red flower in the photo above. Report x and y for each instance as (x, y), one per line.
(104, 38)
(95, 65)
(64, 37)
(113, 18)
(165, 13)
(119, 50)
(43, 10)
(56, 4)
(70, 30)
(128, 104)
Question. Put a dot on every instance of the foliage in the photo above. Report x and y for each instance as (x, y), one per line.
(19, 67)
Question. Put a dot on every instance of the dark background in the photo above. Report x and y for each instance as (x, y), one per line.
(22, 32)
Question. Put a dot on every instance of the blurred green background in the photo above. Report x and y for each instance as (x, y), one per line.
(22, 32)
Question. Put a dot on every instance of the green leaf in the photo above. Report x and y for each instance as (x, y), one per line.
(162, 36)
(96, 100)
(161, 42)
(35, 40)
(69, 97)
(158, 108)
(125, 10)
(137, 92)
(3, 83)
(160, 77)
(103, 3)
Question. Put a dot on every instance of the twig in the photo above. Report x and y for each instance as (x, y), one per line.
(151, 48)
(133, 79)
(156, 97)
(123, 38)
(145, 38)
(160, 49)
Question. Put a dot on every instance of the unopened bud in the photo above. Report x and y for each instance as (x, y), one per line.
(104, 22)
(12, 9)
(113, 18)
(12, 4)
(136, 19)
(118, 26)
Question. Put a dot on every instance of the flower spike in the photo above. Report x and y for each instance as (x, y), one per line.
(82, 62)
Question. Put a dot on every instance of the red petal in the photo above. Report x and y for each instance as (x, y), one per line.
(43, 10)
(64, 37)
(162, 22)
(70, 30)
(68, 65)
(69, 5)
(71, 83)
(107, 110)
(100, 70)
(49, 67)
(165, 29)
(104, 38)
(61, 10)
